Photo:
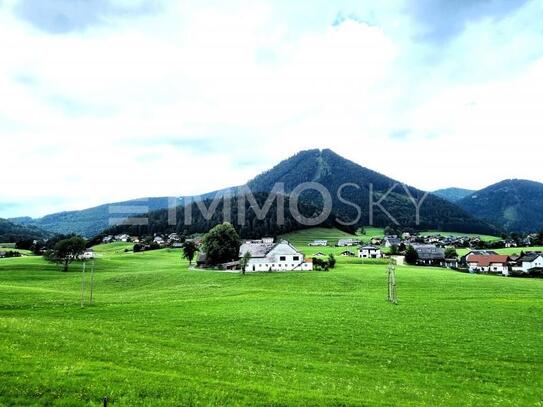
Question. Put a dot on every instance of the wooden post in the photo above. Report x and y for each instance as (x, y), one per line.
(83, 286)
(392, 297)
(105, 401)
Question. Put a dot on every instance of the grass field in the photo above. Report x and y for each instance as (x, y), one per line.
(159, 334)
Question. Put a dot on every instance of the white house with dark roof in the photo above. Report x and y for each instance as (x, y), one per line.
(269, 256)
(369, 252)
(528, 262)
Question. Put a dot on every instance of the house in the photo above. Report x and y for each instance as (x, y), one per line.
(430, 255)
(347, 253)
(369, 252)
(451, 263)
(492, 263)
(376, 241)
(158, 240)
(433, 239)
(269, 256)
(392, 241)
(465, 259)
(87, 255)
(319, 254)
(510, 243)
(107, 239)
(316, 243)
(528, 262)
(2, 255)
(122, 238)
(347, 242)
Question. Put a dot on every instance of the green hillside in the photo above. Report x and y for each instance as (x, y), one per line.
(515, 205)
(162, 335)
(11, 232)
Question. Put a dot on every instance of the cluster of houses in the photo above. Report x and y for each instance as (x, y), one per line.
(431, 251)
(162, 240)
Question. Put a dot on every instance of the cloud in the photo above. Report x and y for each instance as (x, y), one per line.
(64, 16)
(442, 20)
(199, 97)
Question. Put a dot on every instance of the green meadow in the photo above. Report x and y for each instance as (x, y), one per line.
(160, 334)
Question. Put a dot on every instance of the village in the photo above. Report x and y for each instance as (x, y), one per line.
(436, 250)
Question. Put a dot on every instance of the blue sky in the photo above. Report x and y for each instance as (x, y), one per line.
(108, 100)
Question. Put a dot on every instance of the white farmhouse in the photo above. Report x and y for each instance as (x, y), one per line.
(269, 256)
(370, 252)
(528, 262)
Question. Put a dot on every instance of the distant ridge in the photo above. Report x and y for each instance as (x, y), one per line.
(11, 232)
(515, 205)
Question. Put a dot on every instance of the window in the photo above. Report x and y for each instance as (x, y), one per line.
(296, 258)
(282, 258)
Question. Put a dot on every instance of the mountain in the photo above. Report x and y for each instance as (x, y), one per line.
(453, 194)
(89, 222)
(324, 167)
(516, 205)
(334, 172)
(11, 232)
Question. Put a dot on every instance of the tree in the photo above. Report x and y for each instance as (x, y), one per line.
(189, 250)
(450, 253)
(221, 244)
(411, 255)
(331, 261)
(394, 250)
(66, 251)
(245, 261)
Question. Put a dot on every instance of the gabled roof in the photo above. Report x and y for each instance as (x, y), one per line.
(429, 252)
(529, 257)
(369, 248)
(485, 261)
(256, 249)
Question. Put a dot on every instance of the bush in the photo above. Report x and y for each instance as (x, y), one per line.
(411, 255)
(11, 253)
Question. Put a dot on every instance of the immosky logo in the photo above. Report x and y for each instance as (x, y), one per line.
(243, 195)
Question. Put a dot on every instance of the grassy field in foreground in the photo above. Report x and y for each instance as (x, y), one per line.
(160, 334)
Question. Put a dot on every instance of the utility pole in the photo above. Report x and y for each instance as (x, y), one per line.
(92, 282)
(392, 297)
(83, 285)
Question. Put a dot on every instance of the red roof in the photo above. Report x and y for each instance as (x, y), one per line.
(485, 261)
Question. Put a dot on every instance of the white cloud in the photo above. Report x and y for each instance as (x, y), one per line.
(119, 110)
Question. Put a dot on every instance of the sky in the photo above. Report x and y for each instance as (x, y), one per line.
(107, 100)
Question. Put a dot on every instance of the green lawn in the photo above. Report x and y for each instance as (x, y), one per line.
(159, 334)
